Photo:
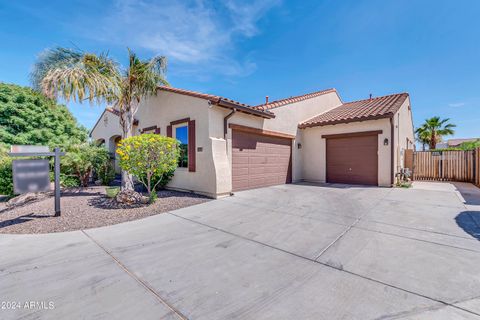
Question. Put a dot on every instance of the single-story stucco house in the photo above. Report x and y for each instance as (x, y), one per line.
(316, 137)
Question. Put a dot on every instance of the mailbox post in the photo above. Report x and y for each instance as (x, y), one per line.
(21, 183)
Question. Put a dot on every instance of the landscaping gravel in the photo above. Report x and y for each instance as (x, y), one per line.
(86, 208)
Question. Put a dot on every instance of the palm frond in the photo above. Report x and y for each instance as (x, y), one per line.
(433, 130)
(72, 75)
(50, 59)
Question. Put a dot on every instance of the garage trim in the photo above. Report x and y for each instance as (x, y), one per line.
(351, 134)
(239, 127)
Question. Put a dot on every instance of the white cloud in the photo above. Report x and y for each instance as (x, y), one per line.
(456, 104)
(193, 32)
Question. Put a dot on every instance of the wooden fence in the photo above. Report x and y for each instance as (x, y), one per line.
(447, 166)
(477, 167)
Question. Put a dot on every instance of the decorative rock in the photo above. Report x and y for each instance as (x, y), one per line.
(129, 197)
(25, 198)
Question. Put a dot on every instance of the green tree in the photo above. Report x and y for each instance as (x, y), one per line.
(423, 136)
(79, 76)
(6, 177)
(433, 130)
(470, 145)
(28, 117)
(147, 156)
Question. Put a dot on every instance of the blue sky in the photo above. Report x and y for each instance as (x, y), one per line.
(246, 50)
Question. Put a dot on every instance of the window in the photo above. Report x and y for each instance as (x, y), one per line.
(181, 134)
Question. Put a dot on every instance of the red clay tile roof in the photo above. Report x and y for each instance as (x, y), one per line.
(219, 100)
(375, 108)
(282, 102)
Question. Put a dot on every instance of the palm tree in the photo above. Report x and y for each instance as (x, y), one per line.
(433, 129)
(423, 136)
(79, 76)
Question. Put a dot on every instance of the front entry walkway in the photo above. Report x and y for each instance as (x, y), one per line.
(284, 252)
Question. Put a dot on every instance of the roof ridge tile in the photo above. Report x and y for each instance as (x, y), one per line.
(293, 99)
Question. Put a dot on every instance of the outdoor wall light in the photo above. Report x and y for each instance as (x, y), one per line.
(299, 146)
(385, 142)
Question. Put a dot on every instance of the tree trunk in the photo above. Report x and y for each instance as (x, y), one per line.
(433, 140)
(149, 177)
(126, 121)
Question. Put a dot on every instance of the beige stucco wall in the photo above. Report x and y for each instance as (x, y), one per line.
(107, 128)
(162, 109)
(166, 107)
(314, 149)
(403, 127)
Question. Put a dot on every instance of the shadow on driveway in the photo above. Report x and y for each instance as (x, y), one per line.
(469, 221)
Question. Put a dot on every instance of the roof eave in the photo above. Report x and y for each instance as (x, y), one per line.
(330, 123)
(219, 101)
(242, 108)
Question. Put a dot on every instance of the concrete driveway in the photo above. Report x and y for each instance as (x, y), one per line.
(285, 252)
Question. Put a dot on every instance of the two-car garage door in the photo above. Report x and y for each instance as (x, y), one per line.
(260, 160)
(352, 159)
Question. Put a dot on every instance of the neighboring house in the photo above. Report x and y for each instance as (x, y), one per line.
(315, 137)
(454, 143)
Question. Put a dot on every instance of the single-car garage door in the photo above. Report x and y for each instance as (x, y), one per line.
(259, 160)
(352, 159)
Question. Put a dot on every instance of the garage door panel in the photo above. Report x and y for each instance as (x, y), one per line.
(240, 161)
(269, 161)
(240, 172)
(353, 160)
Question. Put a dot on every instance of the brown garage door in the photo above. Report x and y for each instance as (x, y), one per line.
(259, 160)
(353, 159)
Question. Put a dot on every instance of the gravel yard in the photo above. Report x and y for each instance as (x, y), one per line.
(86, 208)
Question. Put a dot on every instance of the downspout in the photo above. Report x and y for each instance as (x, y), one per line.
(225, 122)
(392, 142)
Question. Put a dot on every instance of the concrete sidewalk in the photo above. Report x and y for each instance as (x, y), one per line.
(285, 252)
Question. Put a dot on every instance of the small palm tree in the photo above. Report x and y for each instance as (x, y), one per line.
(79, 76)
(434, 129)
(423, 136)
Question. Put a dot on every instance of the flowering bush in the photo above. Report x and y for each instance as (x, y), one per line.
(147, 156)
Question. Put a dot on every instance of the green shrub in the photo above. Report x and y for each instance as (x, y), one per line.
(470, 145)
(6, 177)
(112, 191)
(80, 161)
(149, 155)
(105, 173)
(69, 181)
